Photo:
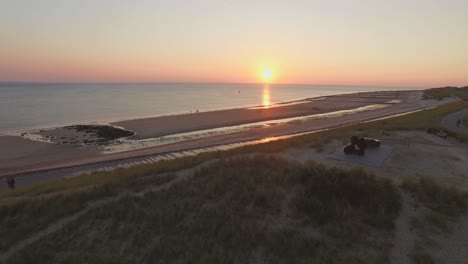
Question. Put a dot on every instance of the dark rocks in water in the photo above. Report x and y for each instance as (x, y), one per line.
(103, 132)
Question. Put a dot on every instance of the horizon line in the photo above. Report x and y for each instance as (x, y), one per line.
(175, 82)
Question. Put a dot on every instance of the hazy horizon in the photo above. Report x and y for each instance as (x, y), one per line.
(211, 83)
(339, 42)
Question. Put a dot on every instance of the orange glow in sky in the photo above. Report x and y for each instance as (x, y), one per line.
(306, 42)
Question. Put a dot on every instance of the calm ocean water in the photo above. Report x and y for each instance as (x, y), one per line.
(28, 106)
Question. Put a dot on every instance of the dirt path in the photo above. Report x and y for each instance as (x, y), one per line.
(404, 237)
(450, 121)
(59, 224)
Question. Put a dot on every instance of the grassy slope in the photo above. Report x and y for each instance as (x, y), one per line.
(41, 205)
(245, 209)
(32, 208)
(234, 211)
(441, 93)
(443, 206)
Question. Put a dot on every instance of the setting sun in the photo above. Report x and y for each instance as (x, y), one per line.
(267, 75)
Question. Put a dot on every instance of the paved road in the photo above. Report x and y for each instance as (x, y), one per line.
(450, 121)
(35, 177)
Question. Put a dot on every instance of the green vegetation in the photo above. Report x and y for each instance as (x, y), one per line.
(237, 210)
(442, 199)
(32, 208)
(20, 218)
(420, 256)
(338, 194)
(116, 180)
(444, 92)
(444, 205)
(23, 218)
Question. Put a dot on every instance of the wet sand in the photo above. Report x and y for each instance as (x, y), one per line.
(20, 155)
(168, 125)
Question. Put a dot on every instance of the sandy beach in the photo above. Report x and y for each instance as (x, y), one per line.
(167, 125)
(23, 155)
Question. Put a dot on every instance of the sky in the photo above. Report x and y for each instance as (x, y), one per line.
(411, 43)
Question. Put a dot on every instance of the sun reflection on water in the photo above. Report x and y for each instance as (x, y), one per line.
(266, 96)
(268, 139)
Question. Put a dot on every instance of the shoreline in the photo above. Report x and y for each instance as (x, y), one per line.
(28, 156)
(117, 120)
(109, 121)
(171, 114)
(151, 128)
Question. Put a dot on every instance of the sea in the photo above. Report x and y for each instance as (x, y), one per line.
(25, 106)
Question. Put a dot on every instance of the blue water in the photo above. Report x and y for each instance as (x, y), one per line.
(28, 106)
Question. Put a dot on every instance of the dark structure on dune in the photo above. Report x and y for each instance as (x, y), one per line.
(358, 145)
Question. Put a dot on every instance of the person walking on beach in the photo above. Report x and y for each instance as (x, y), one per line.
(458, 123)
(11, 183)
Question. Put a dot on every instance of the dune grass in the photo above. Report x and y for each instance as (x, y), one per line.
(237, 210)
(118, 178)
(444, 92)
(338, 194)
(19, 219)
(445, 204)
(32, 208)
(447, 200)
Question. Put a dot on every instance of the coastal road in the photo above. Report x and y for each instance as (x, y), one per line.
(65, 173)
(450, 121)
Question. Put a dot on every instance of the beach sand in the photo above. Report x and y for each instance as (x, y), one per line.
(20, 155)
(168, 125)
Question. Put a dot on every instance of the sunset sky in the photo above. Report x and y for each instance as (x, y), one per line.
(367, 42)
